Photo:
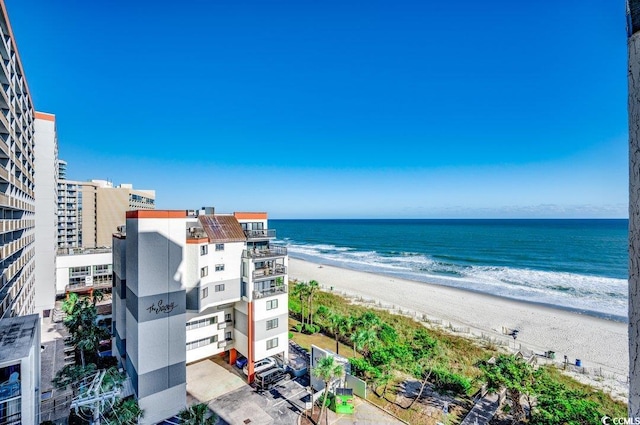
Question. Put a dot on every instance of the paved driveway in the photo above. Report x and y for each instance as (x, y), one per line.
(209, 379)
(274, 407)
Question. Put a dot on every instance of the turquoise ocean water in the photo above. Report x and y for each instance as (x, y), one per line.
(579, 265)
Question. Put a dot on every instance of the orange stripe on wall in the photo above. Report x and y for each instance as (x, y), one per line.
(250, 342)
(198, 240)
(45, 116)
(156, 214)
(250, 215)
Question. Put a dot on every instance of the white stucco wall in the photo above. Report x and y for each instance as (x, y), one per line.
(65, 262)
(46, 219)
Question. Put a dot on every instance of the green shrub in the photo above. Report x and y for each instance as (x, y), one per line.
(298, 327)
(311, 329)
(449, 381)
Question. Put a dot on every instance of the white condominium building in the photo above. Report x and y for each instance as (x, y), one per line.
(17, 203)
(191, 285)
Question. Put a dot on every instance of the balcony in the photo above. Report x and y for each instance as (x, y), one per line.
(268, 272)
(10, 388)
(260, 234)
(272, 251)
(224, 325)
(276, 290)
(225, 343)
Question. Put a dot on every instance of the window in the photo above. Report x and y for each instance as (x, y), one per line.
(272, 304)
(227, 336)
(219, 247)
(219, 267)
(202, 323)
(227, 317)
(201, 342)
(220, 287)
(204, 271)
(205, 292)
(204, 249)
(272, 324)
(272, 343)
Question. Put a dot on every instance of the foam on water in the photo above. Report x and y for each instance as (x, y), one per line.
(595, 295)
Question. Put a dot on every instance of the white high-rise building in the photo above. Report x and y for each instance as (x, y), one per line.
(17, 197)
(191, 285)
(46, 220)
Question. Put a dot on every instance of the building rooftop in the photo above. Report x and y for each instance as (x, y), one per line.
(222, 228)
(16, 336)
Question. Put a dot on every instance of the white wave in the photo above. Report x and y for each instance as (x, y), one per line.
(607, 296)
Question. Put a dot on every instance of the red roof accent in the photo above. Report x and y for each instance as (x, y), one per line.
(250, 215)
(156, 214)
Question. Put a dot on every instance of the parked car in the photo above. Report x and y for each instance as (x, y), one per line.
(268, 378)
(241, 362)
(260, 365)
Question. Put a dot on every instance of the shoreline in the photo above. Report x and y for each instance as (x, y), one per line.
(586, 312)
(596, 341)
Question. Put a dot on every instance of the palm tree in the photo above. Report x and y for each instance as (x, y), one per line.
(124, 412)
(312, 288)
(196, 414)
(327, 370)
(364, 340)
(515, 375)
(336, 325)
(81, 324)
(423, 368)
(300, 290)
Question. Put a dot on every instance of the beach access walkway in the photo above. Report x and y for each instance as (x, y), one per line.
(483, 411)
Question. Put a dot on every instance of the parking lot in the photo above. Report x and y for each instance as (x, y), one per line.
(223, 387)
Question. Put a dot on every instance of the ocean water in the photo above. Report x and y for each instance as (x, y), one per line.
(579, 265)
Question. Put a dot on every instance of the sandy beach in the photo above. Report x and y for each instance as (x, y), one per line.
(600, 344)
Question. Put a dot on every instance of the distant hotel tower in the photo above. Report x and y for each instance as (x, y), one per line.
(633, 45)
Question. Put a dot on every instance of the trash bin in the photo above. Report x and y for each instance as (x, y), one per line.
(551, 354)
(578, 362)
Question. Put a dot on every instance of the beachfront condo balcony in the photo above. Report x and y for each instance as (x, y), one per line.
(263, 253)
(269, 292)
(269, 272)
(260, 234)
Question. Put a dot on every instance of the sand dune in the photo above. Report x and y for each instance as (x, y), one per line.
(598, 343)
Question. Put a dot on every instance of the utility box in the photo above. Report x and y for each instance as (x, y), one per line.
(343, 401)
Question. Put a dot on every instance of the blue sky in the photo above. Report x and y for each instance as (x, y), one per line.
(311, 109)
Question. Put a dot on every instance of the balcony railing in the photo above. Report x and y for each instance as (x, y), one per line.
(276, 290)
(225, 343)
(260, 234)
(267, 272)
(272, 251)
(10, 388)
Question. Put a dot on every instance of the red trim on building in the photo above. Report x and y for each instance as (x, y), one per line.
(44, 116)
(250, 215)
(156, 214)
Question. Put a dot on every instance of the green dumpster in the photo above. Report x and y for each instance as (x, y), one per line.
(343, 401)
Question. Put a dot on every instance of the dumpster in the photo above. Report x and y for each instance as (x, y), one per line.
(551, 354)
(343, 401)
(578, 362)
